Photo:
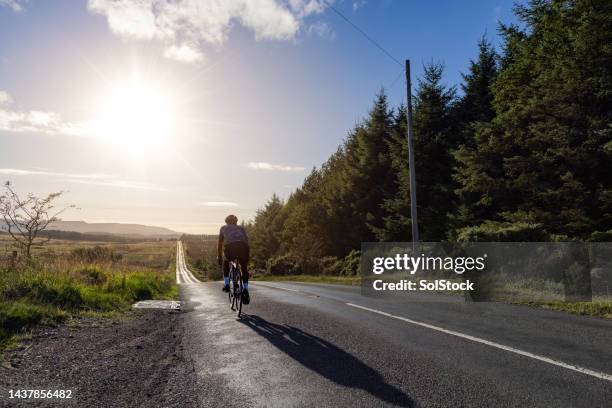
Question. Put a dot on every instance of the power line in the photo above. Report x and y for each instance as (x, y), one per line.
(397, 78)
(370, 39)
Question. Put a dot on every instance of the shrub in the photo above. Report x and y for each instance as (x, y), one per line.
(601, 236)
(283, 265)
(93, 275)
(493, 231)
(351, 263)
(96, 254)
(331, 266)
(214, 273)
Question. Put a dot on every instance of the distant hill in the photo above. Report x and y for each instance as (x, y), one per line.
(113, 228)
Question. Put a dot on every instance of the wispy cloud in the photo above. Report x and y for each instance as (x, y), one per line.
(220, 204)
(273, 167)
(15, 5)
(200, 22)
(99, 179)
(357, 4)
(322, 29)
(117, 183)
(12, 120)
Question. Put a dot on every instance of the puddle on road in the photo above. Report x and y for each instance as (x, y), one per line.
(158, 304)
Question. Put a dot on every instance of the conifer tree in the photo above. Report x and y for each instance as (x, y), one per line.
(434, 140)
(545, 158)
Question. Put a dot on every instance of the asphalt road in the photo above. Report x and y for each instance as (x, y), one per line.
(326, 345)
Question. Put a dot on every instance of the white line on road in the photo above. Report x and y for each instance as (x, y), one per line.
(183, 274)
(280, 287)
(597, 374)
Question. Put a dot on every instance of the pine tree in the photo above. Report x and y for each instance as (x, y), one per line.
(368, 173)
(545, 158)
(473, 110)
(434, 139)
(264, 232)
(476, 104)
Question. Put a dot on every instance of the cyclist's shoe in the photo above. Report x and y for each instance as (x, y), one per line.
(225, 288)
(246, 299)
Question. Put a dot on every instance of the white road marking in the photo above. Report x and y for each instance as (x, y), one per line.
(597, 374)
(183, 274)
(280, 287)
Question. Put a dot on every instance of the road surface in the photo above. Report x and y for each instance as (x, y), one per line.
(326, 345)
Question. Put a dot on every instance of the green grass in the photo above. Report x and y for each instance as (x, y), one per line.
(593, 309)
(52, 288)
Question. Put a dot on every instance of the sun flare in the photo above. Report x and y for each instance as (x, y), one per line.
(135, 117)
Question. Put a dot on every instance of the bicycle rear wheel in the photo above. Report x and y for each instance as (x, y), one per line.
(233, 292)
(238, 296)
(232, 286)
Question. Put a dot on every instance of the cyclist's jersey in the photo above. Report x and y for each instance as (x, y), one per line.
(233, 233)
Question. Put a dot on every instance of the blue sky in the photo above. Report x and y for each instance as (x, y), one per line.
(260, 92)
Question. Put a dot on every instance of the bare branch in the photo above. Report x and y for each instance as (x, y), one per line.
(26, 218)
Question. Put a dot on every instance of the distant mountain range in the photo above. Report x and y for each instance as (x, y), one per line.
(112, 228)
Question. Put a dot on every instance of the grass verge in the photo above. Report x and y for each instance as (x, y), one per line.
(593, 309)
(35, 297)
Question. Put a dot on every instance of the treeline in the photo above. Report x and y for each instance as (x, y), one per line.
(523, 153)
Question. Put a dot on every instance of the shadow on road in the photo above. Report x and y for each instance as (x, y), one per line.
(327, 360)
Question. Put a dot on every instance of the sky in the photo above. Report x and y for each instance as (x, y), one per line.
(177, 113)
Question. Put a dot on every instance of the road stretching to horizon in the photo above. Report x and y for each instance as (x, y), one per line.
(318, 345)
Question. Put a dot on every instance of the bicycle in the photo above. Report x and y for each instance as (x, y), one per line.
(236, 287)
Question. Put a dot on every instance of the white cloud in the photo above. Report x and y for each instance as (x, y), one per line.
(306, 7)
(15, 5)
(43, 119)
(12, 120)
(199, 22)
(273, 167)
(125, 184)
(220, 204)
(357, 4)
(99, 179)
(184, 53)
(21, 172)
(322, 30)
(5, 98)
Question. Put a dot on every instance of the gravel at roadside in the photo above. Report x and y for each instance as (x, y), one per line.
(134, 361)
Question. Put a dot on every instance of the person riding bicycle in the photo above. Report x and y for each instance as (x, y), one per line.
(234, 244)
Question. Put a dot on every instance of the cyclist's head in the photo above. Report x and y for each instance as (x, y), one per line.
(231, 219)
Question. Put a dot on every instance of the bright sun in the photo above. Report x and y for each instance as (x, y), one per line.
(135, 117)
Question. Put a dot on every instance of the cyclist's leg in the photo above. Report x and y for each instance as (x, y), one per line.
(229, 254)
(241, 251)
(225, 270)
(243, 258)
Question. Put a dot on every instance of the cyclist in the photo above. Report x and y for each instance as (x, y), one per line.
(234, 244)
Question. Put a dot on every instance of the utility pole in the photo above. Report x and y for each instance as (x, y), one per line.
(413, 196)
